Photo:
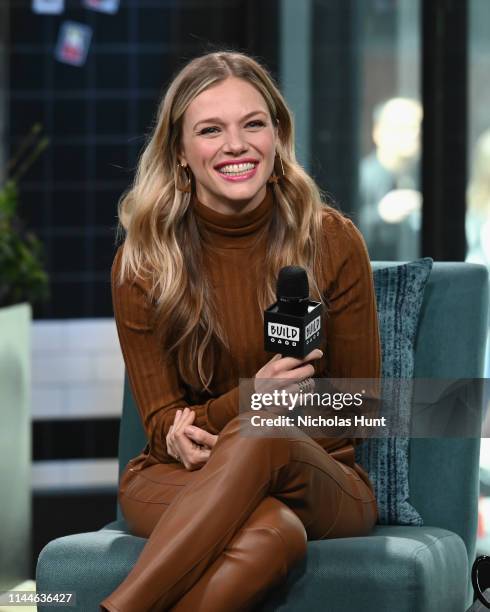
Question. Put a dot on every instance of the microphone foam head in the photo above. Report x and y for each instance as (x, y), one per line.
(292, 283)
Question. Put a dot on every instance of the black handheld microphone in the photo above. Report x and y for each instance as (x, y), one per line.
(293, 324)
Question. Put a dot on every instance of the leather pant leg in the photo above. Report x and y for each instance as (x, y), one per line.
(330, 499)
(259, 556)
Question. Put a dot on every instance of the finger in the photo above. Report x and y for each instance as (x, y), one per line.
(179, 416)
(200, 435)
(171, 431)
(187, 418)
(186, 450)
(270, 385)
(168, 437)
(181, 420)
(203, 453)
(181, 440)
(299, 373)
(181, 449)
(197, 458)
(171, 449)
(315, 354)
(286, 381)
(290, 366)
(290, 363)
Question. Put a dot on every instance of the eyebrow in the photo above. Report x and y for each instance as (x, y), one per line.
(218, 120)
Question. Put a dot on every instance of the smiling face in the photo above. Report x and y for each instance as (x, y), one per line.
(229, 142)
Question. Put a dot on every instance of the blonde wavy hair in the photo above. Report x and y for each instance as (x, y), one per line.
(163, 240)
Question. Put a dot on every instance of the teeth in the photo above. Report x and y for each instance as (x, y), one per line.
(237, 168)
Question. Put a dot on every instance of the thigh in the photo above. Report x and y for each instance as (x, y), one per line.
(145, 494)
(329, 497)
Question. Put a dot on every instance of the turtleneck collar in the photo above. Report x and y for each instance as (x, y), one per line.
(235, 230)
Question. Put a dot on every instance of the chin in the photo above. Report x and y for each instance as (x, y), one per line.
(243, 197)
(241, 192)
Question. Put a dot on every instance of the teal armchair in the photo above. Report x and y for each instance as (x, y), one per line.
(407, 569)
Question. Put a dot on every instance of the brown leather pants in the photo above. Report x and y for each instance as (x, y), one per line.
(220, 537)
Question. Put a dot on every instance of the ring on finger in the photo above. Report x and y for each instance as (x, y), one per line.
(306, 385)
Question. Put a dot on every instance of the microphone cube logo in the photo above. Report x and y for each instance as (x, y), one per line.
(281, 332)
(291, 334)
(312, 328)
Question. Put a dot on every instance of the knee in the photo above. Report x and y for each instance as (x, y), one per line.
(286, 531)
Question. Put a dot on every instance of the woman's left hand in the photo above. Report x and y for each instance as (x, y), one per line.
(189, 444)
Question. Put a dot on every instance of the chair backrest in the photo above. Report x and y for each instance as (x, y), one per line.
(450, 344)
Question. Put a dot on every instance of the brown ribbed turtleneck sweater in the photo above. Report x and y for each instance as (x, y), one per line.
(352, 342)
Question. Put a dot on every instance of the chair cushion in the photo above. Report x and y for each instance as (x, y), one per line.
(398, 568)
(399, 296)
(394, 568)
(92, 564)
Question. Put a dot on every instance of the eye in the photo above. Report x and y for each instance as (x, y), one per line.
(208, 130)
(256, 123)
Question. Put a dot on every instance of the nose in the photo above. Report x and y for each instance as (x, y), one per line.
(234, 142)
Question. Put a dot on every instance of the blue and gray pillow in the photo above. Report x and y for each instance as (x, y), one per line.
(399, 296)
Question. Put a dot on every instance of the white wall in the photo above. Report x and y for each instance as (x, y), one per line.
(77, 369)
(77, 372)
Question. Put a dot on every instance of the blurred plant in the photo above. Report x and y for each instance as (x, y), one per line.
(22, 274)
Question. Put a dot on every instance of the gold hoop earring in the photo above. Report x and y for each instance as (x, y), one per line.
(274, 178)
(186, 186)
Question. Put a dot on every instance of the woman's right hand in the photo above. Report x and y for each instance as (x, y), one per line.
(188, 444)
(285, 372)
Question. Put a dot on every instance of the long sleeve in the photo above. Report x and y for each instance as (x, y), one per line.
(154, 382)
(352, 347)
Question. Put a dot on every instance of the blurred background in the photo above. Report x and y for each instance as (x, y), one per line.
(391, 100)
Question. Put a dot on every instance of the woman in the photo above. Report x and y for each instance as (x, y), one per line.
(219, 205)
